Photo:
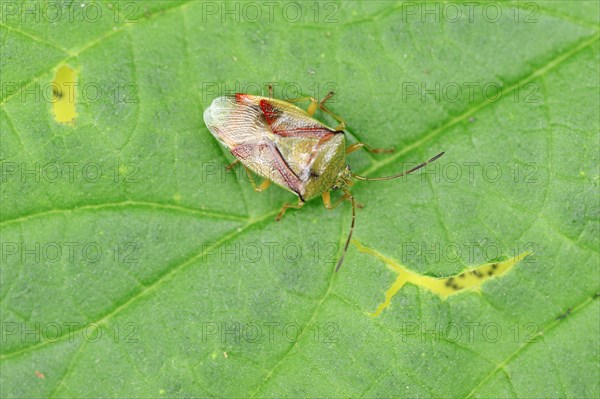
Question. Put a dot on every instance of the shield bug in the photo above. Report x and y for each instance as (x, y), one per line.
(285, 145)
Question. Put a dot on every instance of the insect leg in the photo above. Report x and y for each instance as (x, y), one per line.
(231, 165)
(314, 104)
(285, 207)
(357, 146)
(327, 200)
(262, 187)
(327, 97)
(312, 108)
(300, 99)
(342, 123)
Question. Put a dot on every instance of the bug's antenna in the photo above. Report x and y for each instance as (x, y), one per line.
(399, 174)
(349, 234)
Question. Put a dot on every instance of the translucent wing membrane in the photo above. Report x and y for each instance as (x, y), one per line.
(234, 123)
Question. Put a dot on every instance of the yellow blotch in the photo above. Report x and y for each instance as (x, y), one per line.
(445, 286)
(63, 94)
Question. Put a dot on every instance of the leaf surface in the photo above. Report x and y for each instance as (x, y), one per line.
(134, 266)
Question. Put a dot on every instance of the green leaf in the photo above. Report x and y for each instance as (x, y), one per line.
(133, 265)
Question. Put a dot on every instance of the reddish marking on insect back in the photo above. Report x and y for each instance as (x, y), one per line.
(243, 151)
(240, 97)
(290, 177)
(240, 152)
(269, 111)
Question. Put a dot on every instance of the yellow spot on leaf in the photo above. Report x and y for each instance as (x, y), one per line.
(63, 94)
(446, 286)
